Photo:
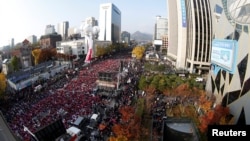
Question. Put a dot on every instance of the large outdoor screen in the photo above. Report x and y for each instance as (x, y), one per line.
(224, 54)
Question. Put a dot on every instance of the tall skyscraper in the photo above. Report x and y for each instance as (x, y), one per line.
(177, 32)
(62, 29)
(125, 37)
(161, 28)
(199, 36)
(50, 29)
(190, 34)
(160, 32)
(109, 23)
(32, 39)
(12, 43)
(92, 21)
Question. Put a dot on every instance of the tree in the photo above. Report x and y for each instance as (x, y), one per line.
(204, 103)
(36, 54)
(119, 138)
(129, 127)
(216, 116)
(138, 52)
(2, 84)
(143, 82)
(155, 81)
(15, 63)
(48, 54)
(100, 51)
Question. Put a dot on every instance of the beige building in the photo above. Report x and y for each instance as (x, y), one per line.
(189, 35)
(229, 75)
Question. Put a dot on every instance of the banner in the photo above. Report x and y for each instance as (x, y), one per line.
(89, 43)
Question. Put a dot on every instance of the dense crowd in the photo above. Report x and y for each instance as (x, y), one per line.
(71, 97)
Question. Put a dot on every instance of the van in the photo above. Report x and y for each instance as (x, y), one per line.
(94, 119)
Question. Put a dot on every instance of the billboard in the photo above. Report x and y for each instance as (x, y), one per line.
(224, 54)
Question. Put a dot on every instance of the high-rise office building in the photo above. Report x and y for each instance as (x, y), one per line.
(62, 29)
(50, 29)
(189, 35)
(125, 37)
(160, 32)
(199, 36)
(177, 32)
(32, 39)
(109, 23)
(91, 21)
(161, 28)
(12, 42)
(229, 75)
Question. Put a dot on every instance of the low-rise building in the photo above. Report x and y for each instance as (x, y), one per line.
(72, 47)
(50, 40)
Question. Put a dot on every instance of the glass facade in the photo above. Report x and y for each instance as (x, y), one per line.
(109, 23)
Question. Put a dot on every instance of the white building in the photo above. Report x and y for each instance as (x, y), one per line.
(177, 32)
(229, 78)
(50, 29)
(109, 23)
(32, 39)
(161, 28)
(190, 35)
(160, 32)
(62, 29)
(5, 66)
(72, 47)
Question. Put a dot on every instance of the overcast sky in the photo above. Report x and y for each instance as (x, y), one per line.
(23, 18)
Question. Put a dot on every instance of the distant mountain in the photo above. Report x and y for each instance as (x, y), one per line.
(139, 36)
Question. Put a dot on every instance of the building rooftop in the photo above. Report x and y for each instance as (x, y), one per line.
(5, 132)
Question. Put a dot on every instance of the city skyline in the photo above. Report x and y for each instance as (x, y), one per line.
(20, 19)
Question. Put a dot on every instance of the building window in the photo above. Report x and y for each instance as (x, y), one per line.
(245, 28)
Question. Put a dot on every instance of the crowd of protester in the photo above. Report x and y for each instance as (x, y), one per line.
(72, 96)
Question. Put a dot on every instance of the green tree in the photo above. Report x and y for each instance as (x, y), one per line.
(155, 82)
(100, 51)
(15, 63)
(162, 84)
(143, 83)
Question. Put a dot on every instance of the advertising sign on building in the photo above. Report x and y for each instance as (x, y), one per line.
(224, 54)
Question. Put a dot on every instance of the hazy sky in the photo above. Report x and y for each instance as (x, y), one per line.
(23, 18)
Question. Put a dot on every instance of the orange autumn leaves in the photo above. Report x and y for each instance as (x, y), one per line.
(217, 116)
(129, 126)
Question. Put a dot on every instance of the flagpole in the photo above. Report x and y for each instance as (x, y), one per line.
(26, 129)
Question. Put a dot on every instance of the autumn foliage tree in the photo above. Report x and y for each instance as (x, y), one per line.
(2, 84)
(214, 116)
(47, 54)
(100, 51)
(129, 127)
(43, 55)
(36, 54)
(138, 52)
(205, 103)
